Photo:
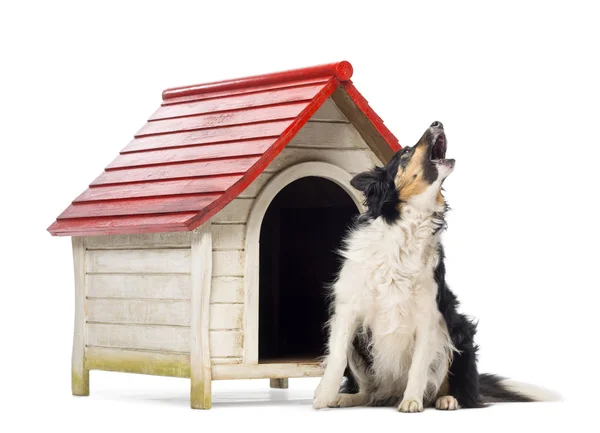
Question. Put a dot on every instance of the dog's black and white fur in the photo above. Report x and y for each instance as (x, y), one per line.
(395, 331)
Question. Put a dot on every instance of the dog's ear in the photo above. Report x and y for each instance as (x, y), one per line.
(379, 191)
(366, 181)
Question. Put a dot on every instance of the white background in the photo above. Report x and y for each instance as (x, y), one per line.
(516, 85)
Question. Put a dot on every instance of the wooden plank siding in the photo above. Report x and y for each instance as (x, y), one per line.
(162, 338)
(138, 303)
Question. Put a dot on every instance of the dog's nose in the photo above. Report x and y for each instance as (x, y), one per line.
(437, 124)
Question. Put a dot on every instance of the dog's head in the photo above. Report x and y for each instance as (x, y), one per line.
(413, 176)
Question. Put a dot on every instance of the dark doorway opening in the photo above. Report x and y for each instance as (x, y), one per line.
(300, 233)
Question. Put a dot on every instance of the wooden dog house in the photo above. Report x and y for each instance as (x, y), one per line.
(202, 249)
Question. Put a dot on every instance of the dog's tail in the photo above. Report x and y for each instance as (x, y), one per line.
(496, 389)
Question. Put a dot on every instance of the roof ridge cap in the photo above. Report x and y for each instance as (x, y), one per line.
(341, 70)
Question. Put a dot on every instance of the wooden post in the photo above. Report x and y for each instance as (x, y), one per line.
(200, 366)
(279, 383)
(80, 377)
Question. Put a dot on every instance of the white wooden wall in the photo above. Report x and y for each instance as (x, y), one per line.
(138, 287)
(328, 137)
(137, 301)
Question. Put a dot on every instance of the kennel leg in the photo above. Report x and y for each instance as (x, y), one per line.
(200, 365)
(200, 395)
(80, 382)
(279, 383)
(80, 377)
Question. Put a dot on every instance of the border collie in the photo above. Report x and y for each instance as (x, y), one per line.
(394, 331)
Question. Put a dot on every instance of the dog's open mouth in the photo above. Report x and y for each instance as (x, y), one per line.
(438, 150)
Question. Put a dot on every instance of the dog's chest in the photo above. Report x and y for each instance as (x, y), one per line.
(400, 293)
(392, 311)
(400, 278)
(394, 314)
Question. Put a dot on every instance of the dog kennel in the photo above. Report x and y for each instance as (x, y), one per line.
(203, 248)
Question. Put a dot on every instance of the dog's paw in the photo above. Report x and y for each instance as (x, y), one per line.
(323, 399)
(446, 402)
(410, 405)
(319, 402)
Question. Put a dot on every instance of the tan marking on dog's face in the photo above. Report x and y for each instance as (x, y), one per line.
(409, 179)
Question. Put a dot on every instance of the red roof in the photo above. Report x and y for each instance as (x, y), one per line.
(204, 145)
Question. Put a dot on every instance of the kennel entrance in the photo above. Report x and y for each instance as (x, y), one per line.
(300, 232)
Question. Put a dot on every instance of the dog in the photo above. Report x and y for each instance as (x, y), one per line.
(395, 336)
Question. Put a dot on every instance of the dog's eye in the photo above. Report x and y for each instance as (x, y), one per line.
(415, 176)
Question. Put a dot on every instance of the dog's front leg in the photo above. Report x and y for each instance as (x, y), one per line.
(343, 325)
(417, 374)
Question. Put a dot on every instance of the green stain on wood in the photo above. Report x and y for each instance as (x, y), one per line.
(80, 383)
(199, 398)
(141, 363)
